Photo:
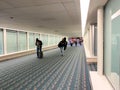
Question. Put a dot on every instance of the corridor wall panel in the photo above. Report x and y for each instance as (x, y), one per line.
(51, 40)
(44, 39)
(11, 39)
(37, 35)
(22, 41)
(15, 42)
(31, 41)
(112, 43)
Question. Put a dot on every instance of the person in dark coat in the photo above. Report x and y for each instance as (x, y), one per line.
(38, 43)
(62, 45)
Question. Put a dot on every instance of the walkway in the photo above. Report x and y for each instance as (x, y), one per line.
(53, 72)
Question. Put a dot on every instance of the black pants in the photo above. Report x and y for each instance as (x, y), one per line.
(39, 49)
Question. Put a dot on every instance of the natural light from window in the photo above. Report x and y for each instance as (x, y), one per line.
(84, 5)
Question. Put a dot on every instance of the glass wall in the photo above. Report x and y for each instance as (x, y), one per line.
(57, 39)
(31, 41)
(51, 40)
(22, 41)
(112, 43)
(17, 40)
(115, 51)
(11, 41)
(37, 36)
(1, 41)
(44, 39)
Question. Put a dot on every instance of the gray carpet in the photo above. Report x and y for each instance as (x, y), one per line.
(53, 72)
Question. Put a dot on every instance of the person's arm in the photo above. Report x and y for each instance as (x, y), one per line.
(36, 43)
(60, 44)
(41, 43)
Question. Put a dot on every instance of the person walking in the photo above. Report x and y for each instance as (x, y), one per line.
(62, 45)
(81, 40)
(71, 42)
(38, 43)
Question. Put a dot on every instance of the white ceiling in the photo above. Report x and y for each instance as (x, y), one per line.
(48, 16)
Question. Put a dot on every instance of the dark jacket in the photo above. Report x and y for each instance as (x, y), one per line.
(38, 43)
(62, 44)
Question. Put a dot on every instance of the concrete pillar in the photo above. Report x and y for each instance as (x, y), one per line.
(93, 28)
(5, 45)
(27, 40)
(92, 40)
(88, 40)
(100, 41)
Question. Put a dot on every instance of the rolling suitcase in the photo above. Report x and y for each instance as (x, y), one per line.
(41, 54)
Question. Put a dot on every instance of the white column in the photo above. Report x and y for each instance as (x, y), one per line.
(100, 41)
(93, 28)
(18, 43)
(27, 40)
(5, 40)
(88, 40)
(92, 40)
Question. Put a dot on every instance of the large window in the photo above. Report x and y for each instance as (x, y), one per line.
(31, 41)
(12, 44)
(57, 39)
(1, 41)
(37, 36)
(115, 52)
(22, 42)
(51, 40)
(112, 43)
(44, 39)
(16, 41)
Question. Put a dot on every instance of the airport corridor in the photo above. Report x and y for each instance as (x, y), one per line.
(53, 72)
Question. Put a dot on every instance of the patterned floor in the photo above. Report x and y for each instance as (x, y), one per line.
(53, 72)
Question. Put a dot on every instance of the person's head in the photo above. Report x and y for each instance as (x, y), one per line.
(64, 39)
(37, 39)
